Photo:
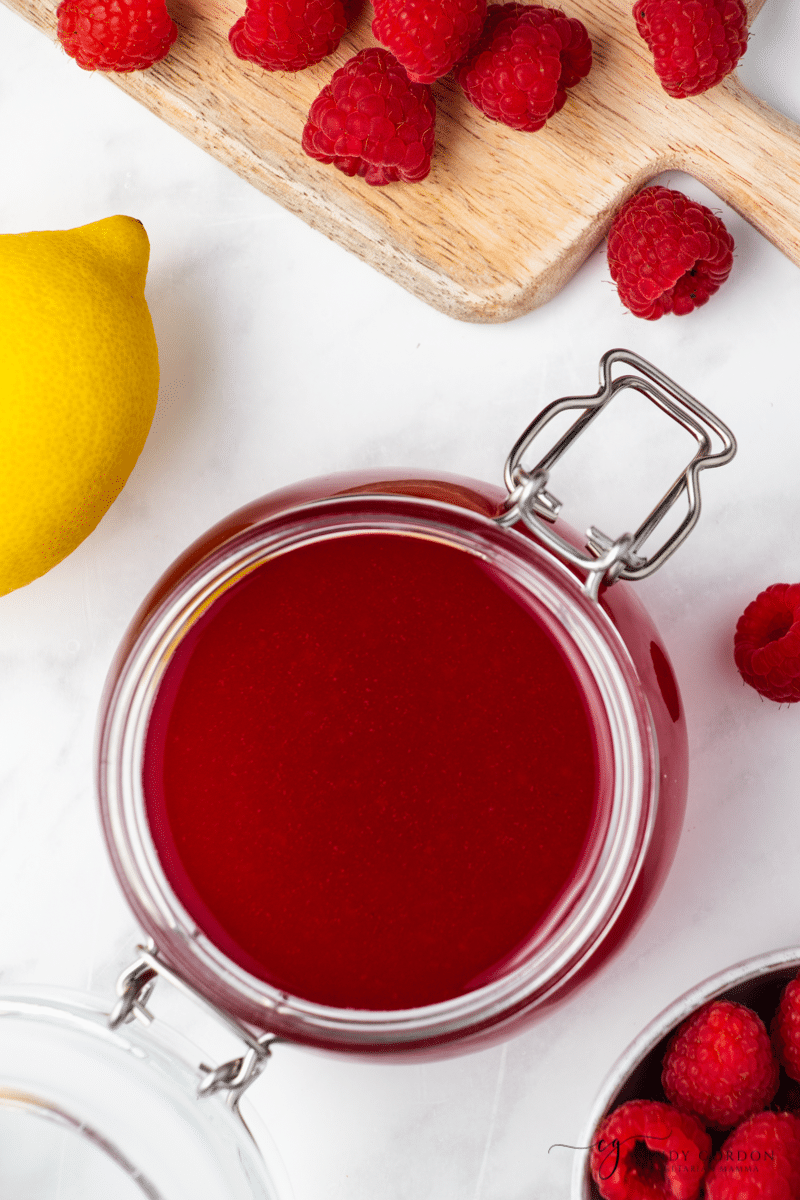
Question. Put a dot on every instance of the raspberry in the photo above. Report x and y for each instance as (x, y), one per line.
(288, 35)
(371, 120)
(719, 1066)
(695, 43)
(786, 1029)
(115, 35)
(428, 37)
(646, 1150)
(667, 253)
(526, 58)
(759, 1161)
(766, 645)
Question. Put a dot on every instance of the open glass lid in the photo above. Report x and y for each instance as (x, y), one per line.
(91, 1112)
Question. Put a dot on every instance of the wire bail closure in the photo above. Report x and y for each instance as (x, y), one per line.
(608, 559)
(134, 988)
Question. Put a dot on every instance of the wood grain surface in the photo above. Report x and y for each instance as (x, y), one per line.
(504, 218)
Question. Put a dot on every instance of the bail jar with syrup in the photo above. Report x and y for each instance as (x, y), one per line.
(388, 764)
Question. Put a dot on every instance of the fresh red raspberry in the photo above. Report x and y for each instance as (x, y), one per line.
(288, 35)
(719, 1066)
(667, 253)
(695, 43)
(371, 120)
(786, 1029)
(766, 645)
(759, 1161)
(115, 35)
(428, 36)
(646, 1150)
(527, 56)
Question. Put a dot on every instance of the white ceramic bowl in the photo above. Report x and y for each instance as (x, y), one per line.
(756, 982)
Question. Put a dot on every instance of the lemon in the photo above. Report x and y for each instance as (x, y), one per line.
(78, 385)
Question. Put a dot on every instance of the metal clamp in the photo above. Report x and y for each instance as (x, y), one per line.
(608, 559)
(134, 988)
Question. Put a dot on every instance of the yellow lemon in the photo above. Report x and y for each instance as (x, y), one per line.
(78, 385)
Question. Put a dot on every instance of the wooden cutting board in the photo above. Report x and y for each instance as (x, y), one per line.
(504, 218)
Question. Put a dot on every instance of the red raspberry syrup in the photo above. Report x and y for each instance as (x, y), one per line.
(370, 772)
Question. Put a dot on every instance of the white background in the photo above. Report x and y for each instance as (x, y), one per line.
(283, 357)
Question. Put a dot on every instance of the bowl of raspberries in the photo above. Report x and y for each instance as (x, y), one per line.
(705, 1103)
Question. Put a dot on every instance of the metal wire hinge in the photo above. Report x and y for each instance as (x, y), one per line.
(607, 559)
(134, 988)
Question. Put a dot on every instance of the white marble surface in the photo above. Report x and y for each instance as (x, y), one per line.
(284, 357)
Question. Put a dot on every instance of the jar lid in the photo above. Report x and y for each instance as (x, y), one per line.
(93, 1112)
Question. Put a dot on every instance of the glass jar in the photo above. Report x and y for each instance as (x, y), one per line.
(598, 632)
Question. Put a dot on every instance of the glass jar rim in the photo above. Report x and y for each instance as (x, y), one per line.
(583, 916)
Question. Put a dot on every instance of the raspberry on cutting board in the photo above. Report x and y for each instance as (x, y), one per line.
(526, 58)
(646, 1150)
(115, 35)
(719, 1065)
(428, 36)
(372, 120)
(760, 1160)
(695, 43)
(288, 35)
(766, 645)
(667, 253)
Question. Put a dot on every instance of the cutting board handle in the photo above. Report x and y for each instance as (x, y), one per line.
(749, 155)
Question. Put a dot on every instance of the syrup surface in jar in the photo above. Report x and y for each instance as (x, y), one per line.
(370, 772)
